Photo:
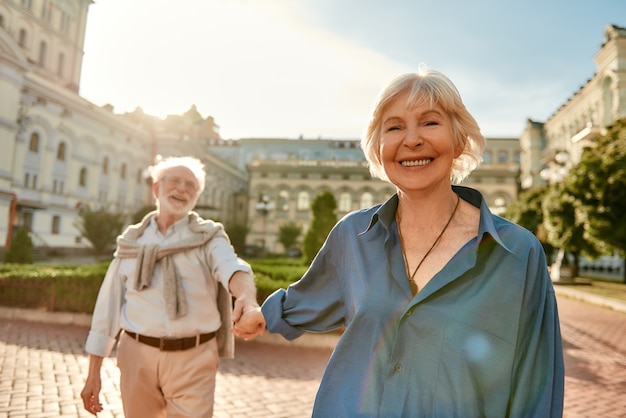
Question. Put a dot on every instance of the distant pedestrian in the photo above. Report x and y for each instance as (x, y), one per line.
(448, 310)
(168, 290)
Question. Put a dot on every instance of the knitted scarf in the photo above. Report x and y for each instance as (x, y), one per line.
(148, 255)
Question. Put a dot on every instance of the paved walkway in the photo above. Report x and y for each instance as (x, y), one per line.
(43, 367)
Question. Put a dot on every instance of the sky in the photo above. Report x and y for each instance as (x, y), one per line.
(313, 68)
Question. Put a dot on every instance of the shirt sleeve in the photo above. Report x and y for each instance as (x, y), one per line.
(314, 303)
(105, 321)
(223, 259)
(538, 387)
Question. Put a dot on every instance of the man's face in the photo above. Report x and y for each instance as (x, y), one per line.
(176, 192)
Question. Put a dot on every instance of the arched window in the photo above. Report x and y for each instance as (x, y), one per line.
(367, 200)
(283, 201)
(82, 177)
(61, 65)
(345, 202)
(23, 38)
(43, 51)
(33, 145)
(487, 157)
(56, 224)
(105, 165)
(61, 152)
(303, 201)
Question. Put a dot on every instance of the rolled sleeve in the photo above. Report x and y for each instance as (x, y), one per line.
(99, 344)
(273, 312)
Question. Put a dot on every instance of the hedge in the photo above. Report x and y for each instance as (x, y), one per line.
(74, 288)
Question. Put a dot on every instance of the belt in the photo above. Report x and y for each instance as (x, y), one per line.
(168, 344)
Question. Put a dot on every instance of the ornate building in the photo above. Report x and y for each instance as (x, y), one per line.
(549, 148)
(60, 151)
(285, 176)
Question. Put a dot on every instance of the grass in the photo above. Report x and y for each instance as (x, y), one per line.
(612, 290)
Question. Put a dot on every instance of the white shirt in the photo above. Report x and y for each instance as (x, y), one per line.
(120, 306)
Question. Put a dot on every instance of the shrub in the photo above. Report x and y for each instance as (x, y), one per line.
(21, 250)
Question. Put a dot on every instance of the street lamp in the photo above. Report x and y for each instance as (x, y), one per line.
(263, 208)
(557, 169)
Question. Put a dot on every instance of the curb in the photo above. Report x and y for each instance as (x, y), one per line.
(572, 292)
(309, 340)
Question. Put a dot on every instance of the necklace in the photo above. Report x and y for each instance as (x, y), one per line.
(406, 261)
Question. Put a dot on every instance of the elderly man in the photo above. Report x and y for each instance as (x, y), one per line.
(167, 294)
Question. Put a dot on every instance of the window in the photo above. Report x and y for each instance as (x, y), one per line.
(43, 51)
(56, 224)
(46, 11)
(1, 21)
(61, 152)
(26, 180)
(82, 177)
(345, 202)
(487, 157)
(123, 171)
(23, 38)
(502, 157)
(105, 165)
(303, 201)
(367, 200)
(33, 145)
(283, 201)
(60, 65)
(65, 23)
(28, 4)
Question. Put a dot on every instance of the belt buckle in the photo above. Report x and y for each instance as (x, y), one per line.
(161, 344)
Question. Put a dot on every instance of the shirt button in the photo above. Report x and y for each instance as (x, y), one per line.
(409, 313)
(398, 367)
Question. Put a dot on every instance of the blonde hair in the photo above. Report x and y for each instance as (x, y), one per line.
(433, 88)
(193, 164)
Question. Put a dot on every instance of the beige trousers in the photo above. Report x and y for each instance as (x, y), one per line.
(172, 384)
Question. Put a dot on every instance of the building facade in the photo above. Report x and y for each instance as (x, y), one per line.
(550, 148)
(60, 152)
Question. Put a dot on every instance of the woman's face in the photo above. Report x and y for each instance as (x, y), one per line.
(417, 145)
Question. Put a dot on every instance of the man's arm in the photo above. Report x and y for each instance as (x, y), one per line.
(247, 315)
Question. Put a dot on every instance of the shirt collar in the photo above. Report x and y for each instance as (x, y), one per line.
(178, 225)
(385, 214)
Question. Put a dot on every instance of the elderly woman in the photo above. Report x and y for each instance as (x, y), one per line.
(448, 310)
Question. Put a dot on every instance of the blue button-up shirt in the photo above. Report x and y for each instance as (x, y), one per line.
(481, 339)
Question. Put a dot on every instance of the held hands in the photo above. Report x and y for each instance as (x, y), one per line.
(248, 319)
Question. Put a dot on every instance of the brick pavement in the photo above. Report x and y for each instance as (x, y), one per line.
(43, 366)
(594, 344)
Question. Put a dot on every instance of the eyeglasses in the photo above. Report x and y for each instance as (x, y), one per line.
(190, 186)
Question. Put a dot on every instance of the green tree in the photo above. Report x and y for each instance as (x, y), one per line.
(139, 214)
(324, 210)
(21, 250)
(100, 227)
(237, 234)
(598, 183)
(564, 229)
(526, 211)
(288, 234)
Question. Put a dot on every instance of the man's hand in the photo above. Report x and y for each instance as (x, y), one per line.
(90, 394)
(248, 319)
